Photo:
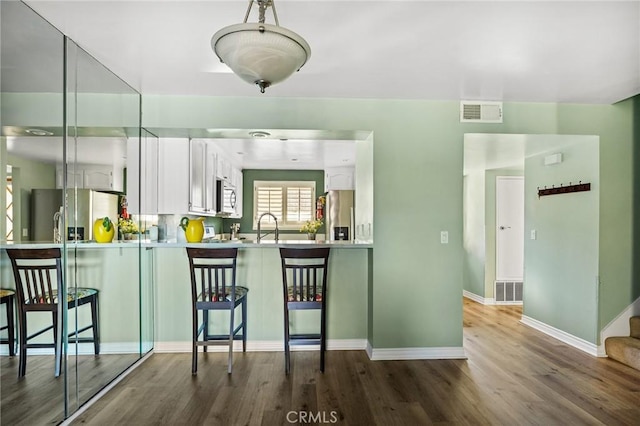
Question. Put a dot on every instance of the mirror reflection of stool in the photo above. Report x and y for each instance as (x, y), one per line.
(7, 297)
(304, 280)
(38, 276)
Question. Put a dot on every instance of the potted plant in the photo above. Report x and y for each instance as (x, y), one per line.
(311, 227)
(128, 228)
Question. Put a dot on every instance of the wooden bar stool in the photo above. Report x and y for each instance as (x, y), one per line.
(213, 287)
(7, 297)
(304, 283)
(38, 276)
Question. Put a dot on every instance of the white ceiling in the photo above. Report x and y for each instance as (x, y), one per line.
(563, 51)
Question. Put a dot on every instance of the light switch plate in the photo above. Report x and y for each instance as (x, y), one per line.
(444, 237)
(534, 234)
(25, 232)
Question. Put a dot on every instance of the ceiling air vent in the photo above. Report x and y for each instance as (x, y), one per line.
(480, 112)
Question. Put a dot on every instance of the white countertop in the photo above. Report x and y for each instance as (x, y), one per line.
(210, 244)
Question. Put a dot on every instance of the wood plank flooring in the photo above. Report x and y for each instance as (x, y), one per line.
(514, 376)
(37, 398)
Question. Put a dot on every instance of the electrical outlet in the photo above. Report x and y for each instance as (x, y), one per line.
(25, 232)
(534, 234)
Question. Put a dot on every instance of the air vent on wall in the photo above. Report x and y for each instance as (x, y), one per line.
(480, 112)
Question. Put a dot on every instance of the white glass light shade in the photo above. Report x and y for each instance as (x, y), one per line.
(261, 53)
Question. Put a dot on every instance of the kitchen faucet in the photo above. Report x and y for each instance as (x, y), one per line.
(57, 226)
(260, 219)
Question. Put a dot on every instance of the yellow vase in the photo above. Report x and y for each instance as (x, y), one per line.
(100, 232)
(193, 229)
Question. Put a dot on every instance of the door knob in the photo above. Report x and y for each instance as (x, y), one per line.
(502, 228)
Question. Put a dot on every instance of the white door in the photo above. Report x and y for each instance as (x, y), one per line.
(510, 228)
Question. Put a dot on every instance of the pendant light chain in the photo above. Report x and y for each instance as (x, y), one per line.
(262, 8)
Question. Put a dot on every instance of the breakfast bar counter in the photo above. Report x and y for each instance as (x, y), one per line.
(113, 269)
(259, 269)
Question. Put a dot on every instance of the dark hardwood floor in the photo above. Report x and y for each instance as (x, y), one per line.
(514, 376)
(37, 398)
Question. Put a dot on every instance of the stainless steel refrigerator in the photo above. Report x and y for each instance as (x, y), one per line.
(340, 215)
(82, 211)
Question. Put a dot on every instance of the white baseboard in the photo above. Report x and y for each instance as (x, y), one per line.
(263, 346)
(563, 336)
(399, 354)
(479, 299)
(85, 349)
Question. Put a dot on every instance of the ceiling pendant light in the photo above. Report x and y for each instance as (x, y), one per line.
(261, 53)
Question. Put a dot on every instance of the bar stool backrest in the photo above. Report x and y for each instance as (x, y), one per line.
(213, 274)
(304, 276)
(38, 274)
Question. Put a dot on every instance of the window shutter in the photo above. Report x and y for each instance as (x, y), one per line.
(299, 204)
(292, 202)
(269, 200)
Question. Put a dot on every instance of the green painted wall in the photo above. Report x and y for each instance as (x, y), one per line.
(615, 126)
(28, 174)
(249, 176)
(418, 154)
(418, 181)
(561, 270)
(635, 288)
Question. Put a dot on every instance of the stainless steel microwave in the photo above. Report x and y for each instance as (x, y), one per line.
(226, 198)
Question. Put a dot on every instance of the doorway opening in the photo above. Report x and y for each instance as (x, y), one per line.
(560, 232)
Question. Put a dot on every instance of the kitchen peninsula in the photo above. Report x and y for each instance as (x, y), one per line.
(166, 267)
(259, 269)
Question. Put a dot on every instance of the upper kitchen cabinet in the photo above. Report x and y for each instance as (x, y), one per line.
(100, 177)
(142, 174)
(224, 168)
(338, 178)
(202, 177)
(173, 176)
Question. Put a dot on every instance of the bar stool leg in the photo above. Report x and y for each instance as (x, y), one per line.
(95, 325)
(231, 327)
(287, 354)
(244, 325)
(11, 327)
(22, 335)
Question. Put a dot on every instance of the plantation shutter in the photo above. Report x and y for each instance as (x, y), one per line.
(269, 200)
(299, 203)
(292, 202)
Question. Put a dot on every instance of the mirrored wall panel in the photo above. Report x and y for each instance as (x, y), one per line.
(68, 127)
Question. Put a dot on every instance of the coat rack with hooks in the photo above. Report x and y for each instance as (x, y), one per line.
(580, 187)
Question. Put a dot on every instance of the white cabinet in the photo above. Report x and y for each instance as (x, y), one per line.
(202, 178)
(173, 176)
(142, 174)
(224, 169)
(337, 178)
(91, 176)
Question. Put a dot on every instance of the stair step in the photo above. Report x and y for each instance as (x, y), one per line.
(624, 349)
(634, 323)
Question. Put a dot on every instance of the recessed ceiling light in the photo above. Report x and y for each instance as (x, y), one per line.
(39, 132)
(258, 134)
